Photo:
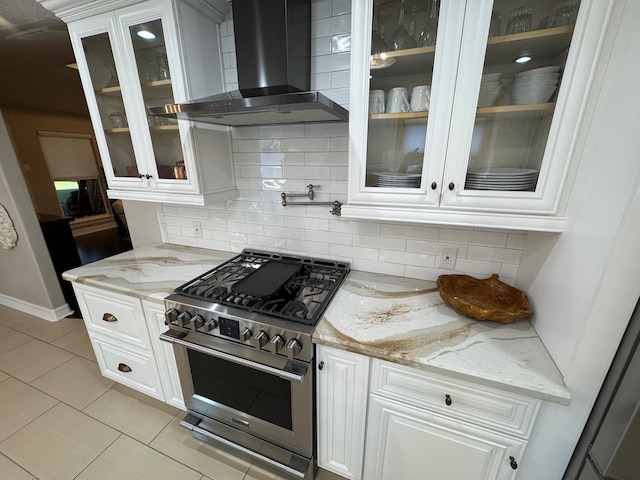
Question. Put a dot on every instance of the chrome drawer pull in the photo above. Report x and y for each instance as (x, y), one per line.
(108, 317)
(123, 367)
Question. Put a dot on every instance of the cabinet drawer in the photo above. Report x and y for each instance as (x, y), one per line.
(133, 369)
(495, 409)
(118, 316)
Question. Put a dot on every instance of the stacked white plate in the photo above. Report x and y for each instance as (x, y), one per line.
(396, 180)
(490, 88)
(535, 86)
(509, 179)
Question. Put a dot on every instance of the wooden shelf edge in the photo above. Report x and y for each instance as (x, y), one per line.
(156, 83)
(107, 90)
(399, 116)
(117, 130)
(532, 34)
(533, 107)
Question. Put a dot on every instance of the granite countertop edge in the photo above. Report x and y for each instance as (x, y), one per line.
(396, 319)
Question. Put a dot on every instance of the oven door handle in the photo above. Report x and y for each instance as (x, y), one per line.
(284, 374)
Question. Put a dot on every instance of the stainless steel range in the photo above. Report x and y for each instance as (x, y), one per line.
(241, 334)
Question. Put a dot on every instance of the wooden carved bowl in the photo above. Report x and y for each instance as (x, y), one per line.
(488, 299)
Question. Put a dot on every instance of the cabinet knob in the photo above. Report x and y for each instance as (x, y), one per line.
(447, 400)
(320, 365)
(108, 317)
(434, 185)
(452, 185)
(147, 176)
(513, 463)
(123, 367)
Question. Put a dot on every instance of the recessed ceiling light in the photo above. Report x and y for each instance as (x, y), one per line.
(523, 59)
(146, 34)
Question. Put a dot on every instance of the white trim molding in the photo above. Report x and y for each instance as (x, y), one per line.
(48, 314)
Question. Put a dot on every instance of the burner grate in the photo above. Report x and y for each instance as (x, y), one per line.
(302, 298)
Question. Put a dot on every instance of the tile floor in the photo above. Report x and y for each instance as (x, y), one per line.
(60, 419)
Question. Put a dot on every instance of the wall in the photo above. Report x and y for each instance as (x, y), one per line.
(586, 282)
(28, 280)
(24, 126)
(272, 159)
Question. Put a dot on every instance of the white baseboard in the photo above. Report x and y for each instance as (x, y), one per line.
(48, 314)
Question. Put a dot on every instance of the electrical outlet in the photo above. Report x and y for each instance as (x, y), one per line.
(197, 229)
(447, 258)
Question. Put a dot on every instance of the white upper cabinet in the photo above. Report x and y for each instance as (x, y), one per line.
(148, 54)
(449, 124)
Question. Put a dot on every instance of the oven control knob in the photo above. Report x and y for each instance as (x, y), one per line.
(276, 343)
(261, 339)
(171, 316)
(197, 322)
(183, 319)
(210, 325)
(246, 335)
(293, 348)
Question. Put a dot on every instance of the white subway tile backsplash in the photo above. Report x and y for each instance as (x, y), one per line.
(407, 258)
(319, 144)
(502, 255)
(320, 8)
(340, 7)
(473, 237)
(275, 158)
(379, 242)
(326, 27)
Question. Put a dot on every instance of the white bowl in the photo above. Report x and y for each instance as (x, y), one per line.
(490, 84)
(488, 98)
(539, 71)
(526, 96)
(535, 82)
(540, 76)
(491, 77)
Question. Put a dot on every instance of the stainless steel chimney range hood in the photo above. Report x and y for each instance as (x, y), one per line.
(273, 51)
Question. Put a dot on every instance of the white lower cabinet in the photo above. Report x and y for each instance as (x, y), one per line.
(382, 421)
(124, 333)
(413, 444)
(342, 390)
(154, 312)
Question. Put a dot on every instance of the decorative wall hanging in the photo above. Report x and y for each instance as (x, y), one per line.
(8, 235)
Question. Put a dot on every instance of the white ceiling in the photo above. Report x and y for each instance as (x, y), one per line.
(33, 73)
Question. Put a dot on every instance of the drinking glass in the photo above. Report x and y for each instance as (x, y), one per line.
(400, 38)
(519, 20)
(162, 66)
(378, 43)
(429, 30)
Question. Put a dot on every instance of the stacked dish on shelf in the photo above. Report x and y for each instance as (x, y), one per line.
(396, 180)
(535, 86)
(502, 178)
(490, 88)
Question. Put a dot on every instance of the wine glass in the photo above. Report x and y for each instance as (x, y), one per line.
(400, 38)
(429, 30)
(378, 43)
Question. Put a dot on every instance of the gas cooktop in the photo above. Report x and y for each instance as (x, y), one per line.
(288, 287)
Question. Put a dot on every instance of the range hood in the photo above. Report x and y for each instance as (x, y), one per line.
(273, 53)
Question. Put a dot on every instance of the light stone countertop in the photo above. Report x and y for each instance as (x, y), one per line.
(398, 319)
(405, 321)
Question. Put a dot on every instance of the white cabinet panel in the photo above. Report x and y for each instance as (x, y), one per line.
(342, 391)
(117, 316)
(164, 355)
(411, 444)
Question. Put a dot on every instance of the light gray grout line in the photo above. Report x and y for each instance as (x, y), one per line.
(104, 450)
(18, 465)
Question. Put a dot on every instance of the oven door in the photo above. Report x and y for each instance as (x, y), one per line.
(254, 392)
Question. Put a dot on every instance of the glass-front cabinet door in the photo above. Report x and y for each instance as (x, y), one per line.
(154, 79)
(103, 91)
(471, 109)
